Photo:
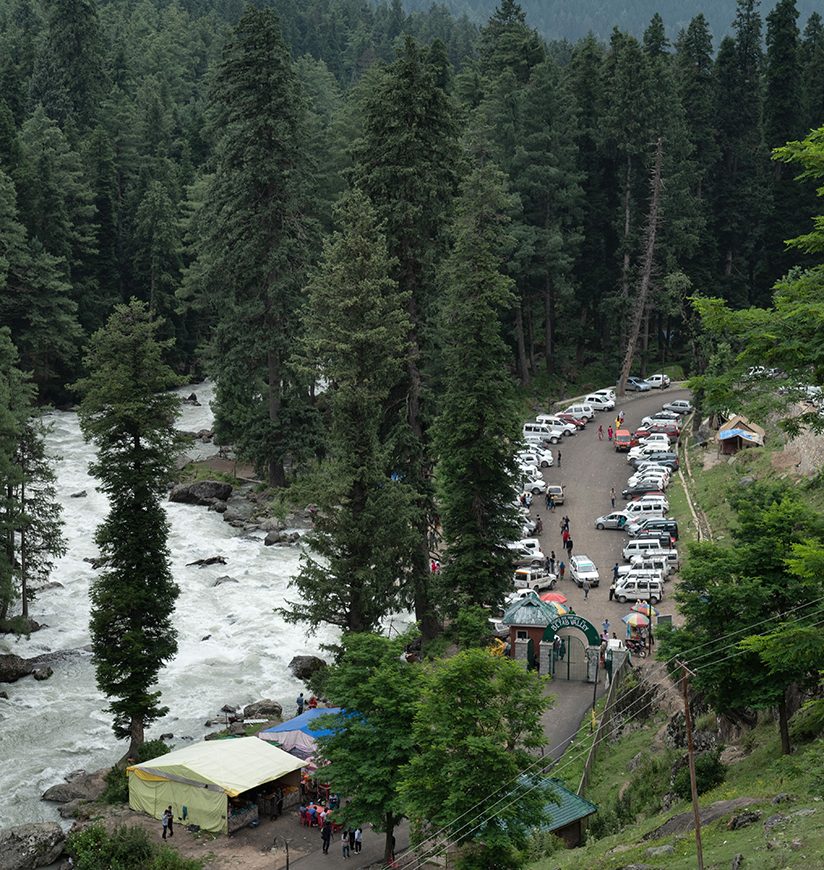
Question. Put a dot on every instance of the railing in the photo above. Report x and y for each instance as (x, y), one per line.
(619, 668)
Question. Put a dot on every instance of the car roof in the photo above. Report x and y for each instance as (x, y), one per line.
(583, 560)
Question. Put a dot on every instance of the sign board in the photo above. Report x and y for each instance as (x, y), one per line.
(572, 620)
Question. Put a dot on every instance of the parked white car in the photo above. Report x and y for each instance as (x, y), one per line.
(557, 423)
(538, 457)
(543, 432)
(643, 450)
(523, 556)
(583, 568)
(660, 382)
(607, 393)
(661, 477)
(661, 416)
(659, 438)
(531, 578)
(601, 403)
(536, 487)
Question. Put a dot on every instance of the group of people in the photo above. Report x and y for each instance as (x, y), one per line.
(351, 840)
(301, 702)
(168, 822)
(612, 428)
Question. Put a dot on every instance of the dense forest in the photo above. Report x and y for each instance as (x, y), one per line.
(574, 19)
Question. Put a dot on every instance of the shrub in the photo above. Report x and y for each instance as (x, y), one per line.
(808, 722)
(126, 848)
(709, 772)
(472, 627)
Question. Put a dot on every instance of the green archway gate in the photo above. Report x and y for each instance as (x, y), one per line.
(574, 657)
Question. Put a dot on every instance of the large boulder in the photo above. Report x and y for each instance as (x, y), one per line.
(239, 510)
(12, 668)
(78, 786)
(26, 847)
(304, 667)
(266, 708)
(203, 492)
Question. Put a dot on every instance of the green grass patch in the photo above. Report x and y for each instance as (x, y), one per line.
(196, 471)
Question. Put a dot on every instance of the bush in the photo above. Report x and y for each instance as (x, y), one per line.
(709, 772)
(471, 628)
(124, 849)
(808, 722)
(117, 783)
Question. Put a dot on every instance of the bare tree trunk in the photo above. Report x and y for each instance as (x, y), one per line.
(523, 363)
(627, 227)
(549, 323)
(783, 725)
(645, 343)
(276, 473)
(646, 272)
(389, 839)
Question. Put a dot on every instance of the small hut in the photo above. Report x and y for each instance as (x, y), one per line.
(527, 619)
(738, 432)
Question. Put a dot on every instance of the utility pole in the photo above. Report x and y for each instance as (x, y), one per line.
(686, 673)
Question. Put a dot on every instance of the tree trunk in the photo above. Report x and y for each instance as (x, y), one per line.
(24, 586)
(276, 473)
(646, 272)
(136, 735)
(783, 725)
(523, 364)
(627, 227)
(549, 324)
(645, 343)
(389, 839)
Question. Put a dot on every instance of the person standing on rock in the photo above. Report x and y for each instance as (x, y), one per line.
(300, 701)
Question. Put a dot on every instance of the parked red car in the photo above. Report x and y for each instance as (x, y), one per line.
(576, 421)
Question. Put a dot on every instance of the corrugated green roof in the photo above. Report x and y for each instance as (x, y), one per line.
(530, 611)
(569, 810)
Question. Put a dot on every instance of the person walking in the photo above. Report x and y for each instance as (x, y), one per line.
(561, 569)
(621, 418)
(539, 525)
(615, 572)
(351, 840)
(299, 702)
(612, 496)
(344, 842)
(358, 840)
(565, 537)
(585, 587)
(552, 562)
(569, 547)
(326, 836)
(612, 593)
(566, 523)
(609, 432)
(165, 822)
(549, 501)
(600, 433)
(605, 626)
(559, 459)
(171, 821)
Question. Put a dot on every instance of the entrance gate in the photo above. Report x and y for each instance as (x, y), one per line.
(570, 660)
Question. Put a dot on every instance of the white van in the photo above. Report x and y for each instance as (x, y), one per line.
(652, 561)
(642, 547)
(631, 588)
(645, 509)
(651, 498)
(581, 411)
(557, 423)
(542, 431)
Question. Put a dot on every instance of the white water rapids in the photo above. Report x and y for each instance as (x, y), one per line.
(48, 729)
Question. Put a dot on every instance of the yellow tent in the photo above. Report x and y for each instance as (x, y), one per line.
(202, 776)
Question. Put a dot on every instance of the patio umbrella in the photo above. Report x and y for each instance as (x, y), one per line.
(559, 608)
(644, 607)
(558, 597)
(636, 620)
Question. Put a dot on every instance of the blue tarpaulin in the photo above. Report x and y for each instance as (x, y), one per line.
(299, 735)
(739, 433)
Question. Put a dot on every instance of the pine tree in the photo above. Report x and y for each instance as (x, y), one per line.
(253, 240)
(56, 207)
(507, 44)
(545, 174)
(9, 145)
(35, 301)
(478, 426)
(812, 72)
(407, 164)
(357, 335)
(782, 123)
(16, 398)
(129, 416)
(69, 80)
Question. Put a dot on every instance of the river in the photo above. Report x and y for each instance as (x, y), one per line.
(48, 729)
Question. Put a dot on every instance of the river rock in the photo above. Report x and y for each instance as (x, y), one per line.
(42, 673)
(12, 668)
(78, 786)
(26, 847)
(266, 708)
(202, 492)
(237, 729)
(239, 510)
(211, 560)
(96, 562)
(221, 581)
(304, 667)
(218, 506)
(4, 696)
(657, 851)
(273, 537)
(191, 399)
(81, 494)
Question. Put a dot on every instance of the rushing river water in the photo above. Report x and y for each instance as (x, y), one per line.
(51, 728)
